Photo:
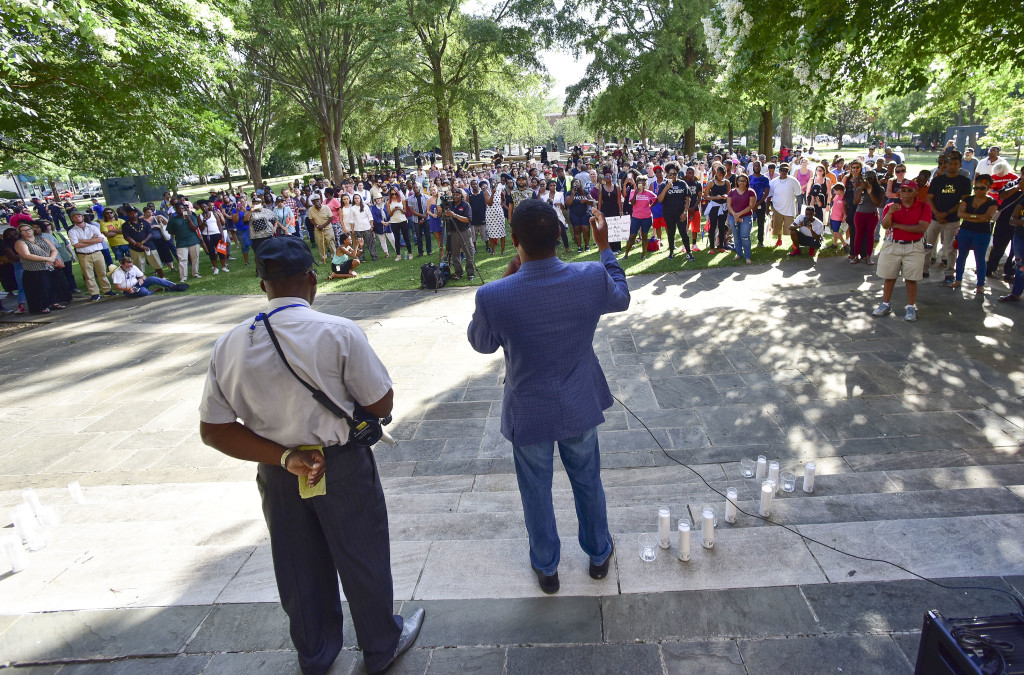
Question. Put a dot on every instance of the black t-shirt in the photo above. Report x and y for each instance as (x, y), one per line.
(948, 193)
(983, 228)
(695, 190)
(479, 207)
(676, 196)
(462, 209)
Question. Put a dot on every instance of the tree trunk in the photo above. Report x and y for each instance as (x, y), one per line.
(767, 142)
(227, 167)
(643, 135)
(351, 159)
(786, 132)
(325, 162)
(690, 139)
(337, 166)
(398, 161)
(730, 136)
(444, 132)
(476, 144)
(359, 160)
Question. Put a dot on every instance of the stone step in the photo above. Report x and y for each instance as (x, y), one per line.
(693, 631)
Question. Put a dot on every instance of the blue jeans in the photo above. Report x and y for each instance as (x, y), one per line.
(120, 251)
(741, 237)
(966, 241)
(18, 271)
(150, 281)
(581, 458)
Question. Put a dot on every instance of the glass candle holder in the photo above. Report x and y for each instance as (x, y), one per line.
(648, 547)
(747, 467)
(731, 497)
(762, 467)
(788, 479)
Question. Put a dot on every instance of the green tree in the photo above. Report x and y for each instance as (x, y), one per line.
(455, 57)
(327, 55)
(108, 86)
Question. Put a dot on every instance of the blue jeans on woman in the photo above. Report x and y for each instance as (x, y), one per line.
(741, 234)
(18, 271)
(967, 241)
(581, 457)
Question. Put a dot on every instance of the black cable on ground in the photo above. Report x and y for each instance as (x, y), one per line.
(1012, 594)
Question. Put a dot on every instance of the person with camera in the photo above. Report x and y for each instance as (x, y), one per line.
(555, 390)
(321, 493)
(459, 214)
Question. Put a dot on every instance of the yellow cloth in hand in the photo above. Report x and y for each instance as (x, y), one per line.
(318, 490)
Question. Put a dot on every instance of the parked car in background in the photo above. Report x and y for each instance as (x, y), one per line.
(611, 147)
(537, 149)
(588, 147)
(487, 154)
(460, 156)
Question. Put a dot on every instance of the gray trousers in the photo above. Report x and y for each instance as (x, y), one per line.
(369, 243)
(462, 242)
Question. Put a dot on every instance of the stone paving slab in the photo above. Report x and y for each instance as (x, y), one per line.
(906, 463)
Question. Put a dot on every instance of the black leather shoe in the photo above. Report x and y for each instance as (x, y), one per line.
(548, 584)
(410, 631)
(601, 571)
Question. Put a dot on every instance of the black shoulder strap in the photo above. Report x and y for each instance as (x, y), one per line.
(321, 398)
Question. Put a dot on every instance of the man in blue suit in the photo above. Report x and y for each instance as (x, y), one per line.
(543, 314)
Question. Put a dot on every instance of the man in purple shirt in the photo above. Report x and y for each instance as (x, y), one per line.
(555, 390)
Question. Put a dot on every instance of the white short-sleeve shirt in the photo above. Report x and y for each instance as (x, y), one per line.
(248, 381)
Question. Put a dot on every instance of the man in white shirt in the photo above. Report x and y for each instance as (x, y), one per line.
(985, 165)
(342, 527)
(807, 231)
(88, 244)
(782, 194)
(130, 280)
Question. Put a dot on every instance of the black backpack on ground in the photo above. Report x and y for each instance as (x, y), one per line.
(433, 277)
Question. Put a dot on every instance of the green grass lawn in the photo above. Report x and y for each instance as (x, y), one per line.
(390, 275)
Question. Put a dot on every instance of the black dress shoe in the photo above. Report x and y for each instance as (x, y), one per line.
(548, 584)
(601, 571)
(410, 631)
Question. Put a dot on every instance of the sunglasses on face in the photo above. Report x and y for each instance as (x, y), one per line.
(906, 189)
(981, 187)
(901, 170)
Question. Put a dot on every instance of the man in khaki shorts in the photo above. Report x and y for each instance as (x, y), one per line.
(903, 249)
(782, 194)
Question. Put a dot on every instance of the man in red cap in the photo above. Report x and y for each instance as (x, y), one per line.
(905, 221)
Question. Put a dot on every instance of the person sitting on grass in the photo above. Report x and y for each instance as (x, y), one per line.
(807, 231)
(130, 280)
(346, 258)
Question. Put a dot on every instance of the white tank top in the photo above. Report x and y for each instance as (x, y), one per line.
(210, 226)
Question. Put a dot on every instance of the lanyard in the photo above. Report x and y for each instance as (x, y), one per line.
(261, 316)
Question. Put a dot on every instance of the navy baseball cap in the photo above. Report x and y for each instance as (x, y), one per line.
(284, 256)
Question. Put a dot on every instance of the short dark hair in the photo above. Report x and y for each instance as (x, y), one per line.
(536, 227)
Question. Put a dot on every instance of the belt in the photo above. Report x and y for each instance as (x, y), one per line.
(905, 241)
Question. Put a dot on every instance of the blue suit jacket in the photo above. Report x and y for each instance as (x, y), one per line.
(544, 317)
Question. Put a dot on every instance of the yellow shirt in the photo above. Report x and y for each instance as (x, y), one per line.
(113, 226)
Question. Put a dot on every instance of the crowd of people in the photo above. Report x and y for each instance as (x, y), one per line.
(715, 202)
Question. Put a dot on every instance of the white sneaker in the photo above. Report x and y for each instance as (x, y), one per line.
(225, 269)
(882, 310)
(216, 271)
(197, 276)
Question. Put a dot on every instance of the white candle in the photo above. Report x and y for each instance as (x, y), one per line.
(25, 524)
(664, 525)
(75, 489)
(708, 528)
(15, 553)
(762, 466)
(684, 540)
(731, 495)
(809, 477)
(773, 472)
(32, 498)
(766, 500)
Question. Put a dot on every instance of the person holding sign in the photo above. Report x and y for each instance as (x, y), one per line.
(609, 203)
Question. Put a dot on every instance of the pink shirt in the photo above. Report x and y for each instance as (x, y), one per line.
(837, 209)
(803, 177)
(335, 206)
(644, 200)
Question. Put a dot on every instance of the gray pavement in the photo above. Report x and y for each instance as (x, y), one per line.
(916, 429)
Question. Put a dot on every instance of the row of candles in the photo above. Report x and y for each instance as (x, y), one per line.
(30, 517)
(769, 475)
